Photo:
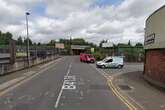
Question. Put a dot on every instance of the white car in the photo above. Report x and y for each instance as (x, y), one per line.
(111, 62)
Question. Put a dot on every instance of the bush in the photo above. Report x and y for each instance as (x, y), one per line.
(98, 56)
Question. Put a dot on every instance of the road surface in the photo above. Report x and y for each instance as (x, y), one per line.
(66, 85)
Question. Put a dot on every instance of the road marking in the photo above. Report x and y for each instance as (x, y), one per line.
(24, 80)
(115, 91)
(11, 82)
(60, 93)
(29, 73)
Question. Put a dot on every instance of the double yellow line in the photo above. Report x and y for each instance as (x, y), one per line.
(121, 97)
(117, 93)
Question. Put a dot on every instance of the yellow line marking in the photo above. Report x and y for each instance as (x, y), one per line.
(26, 80)
(115, 91)
(121, 97)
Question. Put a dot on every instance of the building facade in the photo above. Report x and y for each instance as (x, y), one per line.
(154, 45)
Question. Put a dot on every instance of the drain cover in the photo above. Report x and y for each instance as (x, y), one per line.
(125, 87)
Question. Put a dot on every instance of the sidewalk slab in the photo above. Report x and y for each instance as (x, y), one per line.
(143, 93)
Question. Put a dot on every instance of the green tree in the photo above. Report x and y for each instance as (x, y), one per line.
(51, 43)
(19, 41)
(101, 43)
(78, 41)
(5, 38)
(139, 44)
(30, 41)
(129, 43)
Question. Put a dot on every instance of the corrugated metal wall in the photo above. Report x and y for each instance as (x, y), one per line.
(155, 64)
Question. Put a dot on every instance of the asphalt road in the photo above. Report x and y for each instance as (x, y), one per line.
(66, 85)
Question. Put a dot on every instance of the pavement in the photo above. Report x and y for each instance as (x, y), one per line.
(64, 85)
(141, 92)
(130, 83)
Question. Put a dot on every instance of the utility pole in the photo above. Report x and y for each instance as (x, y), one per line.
(28, 55)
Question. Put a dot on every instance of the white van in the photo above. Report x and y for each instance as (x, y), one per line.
(111, 62)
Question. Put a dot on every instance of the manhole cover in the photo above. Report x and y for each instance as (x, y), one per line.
(125, 87)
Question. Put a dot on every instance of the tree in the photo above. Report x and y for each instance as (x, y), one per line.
(38, 43)
(139, 44)
(30, 41)
(78, 41)
(129, 43)
(5, 38)
(101, 43)
(51, 43)
(19, 41)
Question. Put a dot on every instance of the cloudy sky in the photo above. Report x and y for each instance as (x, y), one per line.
(94, 20)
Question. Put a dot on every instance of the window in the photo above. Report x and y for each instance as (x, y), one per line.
(110, 60)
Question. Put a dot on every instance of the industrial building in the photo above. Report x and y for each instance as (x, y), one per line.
(77, 49)
(154, 65)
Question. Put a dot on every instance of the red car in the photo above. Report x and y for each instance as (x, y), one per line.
(89, 58)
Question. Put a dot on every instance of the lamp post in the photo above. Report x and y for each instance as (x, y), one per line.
(28, 57)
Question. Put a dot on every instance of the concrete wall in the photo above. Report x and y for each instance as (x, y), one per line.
(6, 68)
(155, 26)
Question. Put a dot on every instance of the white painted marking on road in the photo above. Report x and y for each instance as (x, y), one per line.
(24, 80)
(11, 82)
(29, 73)
(21, 97)
(69, 87)
(60, 94)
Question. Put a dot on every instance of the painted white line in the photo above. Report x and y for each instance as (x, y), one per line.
(23, 80)
(60, 94)
(11, 82)
(58, 98)
(29, 73)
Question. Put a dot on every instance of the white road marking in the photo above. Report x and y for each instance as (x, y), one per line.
(69, 87)
(60, 94)
(23, 80)
(11, 82)
(21, 97)
(29, 73)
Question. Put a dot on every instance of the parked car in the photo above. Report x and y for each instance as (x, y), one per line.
(89, 58)
(111, 62)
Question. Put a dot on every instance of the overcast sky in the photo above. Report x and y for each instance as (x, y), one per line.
(94, 20)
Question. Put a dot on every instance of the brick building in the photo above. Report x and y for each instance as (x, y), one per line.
(154, 66)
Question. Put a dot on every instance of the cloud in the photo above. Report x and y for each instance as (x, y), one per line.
(78, 18)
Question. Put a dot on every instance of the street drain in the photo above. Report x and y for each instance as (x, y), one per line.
(125, 87)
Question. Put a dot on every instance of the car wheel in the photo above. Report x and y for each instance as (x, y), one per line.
(103, 66)
(119, 66)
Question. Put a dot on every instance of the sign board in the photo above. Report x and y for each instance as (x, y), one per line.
(21, 54)
(150, 39)
(108, 44)
(59, 45)
(92, 50)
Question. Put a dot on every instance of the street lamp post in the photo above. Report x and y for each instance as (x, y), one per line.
(28, 57)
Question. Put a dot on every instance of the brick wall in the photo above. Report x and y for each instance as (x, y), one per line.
(155, 64)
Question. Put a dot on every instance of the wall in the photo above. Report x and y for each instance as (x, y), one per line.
(18, 65)
(155, 25)
(155, 65)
